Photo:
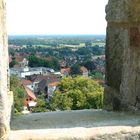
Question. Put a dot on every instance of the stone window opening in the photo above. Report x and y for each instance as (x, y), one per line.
(121, 77)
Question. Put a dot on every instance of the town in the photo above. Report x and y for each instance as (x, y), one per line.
(41, 63)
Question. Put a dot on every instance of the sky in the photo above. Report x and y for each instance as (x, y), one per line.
(56, 17)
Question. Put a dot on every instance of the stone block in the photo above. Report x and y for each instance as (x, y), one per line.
(123, 54)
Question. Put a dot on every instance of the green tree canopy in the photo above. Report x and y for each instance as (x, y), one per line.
(41, 104)
(37, 62)
(50, 61)
(53, 63)
(90, 65)
(98, 76)
(12, 63)
(75, 70)
(77, 93)
(19, 93)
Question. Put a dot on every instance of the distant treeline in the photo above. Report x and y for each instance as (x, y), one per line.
(54, 40)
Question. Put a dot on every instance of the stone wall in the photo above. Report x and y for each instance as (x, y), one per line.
(122, 65)
(123, 55)
(4, 115)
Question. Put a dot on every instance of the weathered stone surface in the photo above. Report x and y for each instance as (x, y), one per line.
(98, 133)
(4, 122)
(123, 55)
(118, 10)
(76, 125)
(123, 11)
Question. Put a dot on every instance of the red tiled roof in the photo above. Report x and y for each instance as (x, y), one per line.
(26, 82)
(30, 93)
(65, 70)
(39, 78)
(83, 69)
(19, 58)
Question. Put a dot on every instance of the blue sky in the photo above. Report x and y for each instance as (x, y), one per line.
(56, 17)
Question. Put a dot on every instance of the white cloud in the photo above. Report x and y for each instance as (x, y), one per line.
(56, 16)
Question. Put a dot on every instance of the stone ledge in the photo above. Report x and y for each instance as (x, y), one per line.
(76, 125)
(98, 133)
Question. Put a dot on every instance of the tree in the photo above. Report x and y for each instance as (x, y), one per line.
(98, 50)
(41, 104)
(19, 93)
(50, 61)
(61, 102)
(75, 70)
(12, 52)
(90, 65)
(83, 51)
(37, 62)
(98, 76)
(12, 63)
(77, 93)
(53, 63)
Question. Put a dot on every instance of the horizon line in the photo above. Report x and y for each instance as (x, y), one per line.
(54, 34)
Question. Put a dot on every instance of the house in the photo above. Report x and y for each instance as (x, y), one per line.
(40, 82)
(84, 71)
(43, 87)
(48, 85)
(48, 89)
(36, 79)
(30, 99)
(24, 72)
(23, 62)
(65, 72)
(28, 84)
(51, 88)
(58, 74)
(63, 63)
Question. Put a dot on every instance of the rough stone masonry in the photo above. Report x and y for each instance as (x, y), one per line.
(123, 55)
(4, 103)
